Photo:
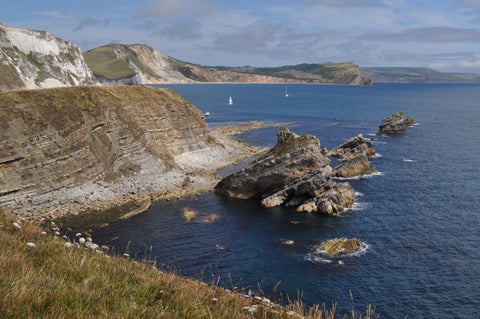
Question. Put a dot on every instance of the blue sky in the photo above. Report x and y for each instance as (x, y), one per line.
(441, 34)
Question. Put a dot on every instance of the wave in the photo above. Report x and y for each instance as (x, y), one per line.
(407, 160)
(320, 259)
(358, 194)
(377, 155)
(357, 207)
(358, 177)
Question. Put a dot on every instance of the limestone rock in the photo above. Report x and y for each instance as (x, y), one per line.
(354, 154)
(356, 166)
(296, 172)
(340, 246)
(352, 148)
(82, 140)
(396, 123)
(34, 59)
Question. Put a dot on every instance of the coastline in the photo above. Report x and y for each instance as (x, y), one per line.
(195, 172)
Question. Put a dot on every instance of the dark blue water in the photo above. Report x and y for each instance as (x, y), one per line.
(420, 217)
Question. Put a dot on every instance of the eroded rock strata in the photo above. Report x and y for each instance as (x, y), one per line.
(85, 148)
(396, 123)
(296, 172)
(353, 154)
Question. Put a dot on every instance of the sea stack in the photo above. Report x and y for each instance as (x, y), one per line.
(296, 172)
(395, 123)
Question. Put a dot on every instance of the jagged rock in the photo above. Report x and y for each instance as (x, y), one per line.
(296, 172)
(352, 148)
(354, 167)
(396, 123)
(354, 154)
(36, 59)
(340, 246)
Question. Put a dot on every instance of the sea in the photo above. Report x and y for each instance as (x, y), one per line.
(419, 215)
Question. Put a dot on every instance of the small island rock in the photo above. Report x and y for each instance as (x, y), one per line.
(396, 123)
(340, 246)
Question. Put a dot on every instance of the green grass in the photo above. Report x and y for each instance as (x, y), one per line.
(52, 281)
(104, 62)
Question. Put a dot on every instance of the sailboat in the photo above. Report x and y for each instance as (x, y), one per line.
(230, 101)
(286, 92)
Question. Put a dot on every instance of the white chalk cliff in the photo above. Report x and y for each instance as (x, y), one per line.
(36, 59)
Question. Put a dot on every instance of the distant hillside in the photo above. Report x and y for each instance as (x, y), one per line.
(399, 74)
(116, 64)
(140, 64)
(36, 59)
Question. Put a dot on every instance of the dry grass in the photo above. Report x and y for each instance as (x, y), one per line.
(52, 281)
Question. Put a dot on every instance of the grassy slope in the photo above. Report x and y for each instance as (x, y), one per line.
(50, 280)
(104, 63)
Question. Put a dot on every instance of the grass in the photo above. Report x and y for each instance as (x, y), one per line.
(104, 62)
(50, 280)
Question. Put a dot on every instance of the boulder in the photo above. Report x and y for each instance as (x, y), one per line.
(296, 172)
(395, 123)
(339, 247)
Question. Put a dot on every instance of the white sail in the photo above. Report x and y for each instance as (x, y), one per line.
(286, 92)
(230, 101)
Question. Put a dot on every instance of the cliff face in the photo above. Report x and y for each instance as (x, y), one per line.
(65, 138)
(116, 64)
(36, 59)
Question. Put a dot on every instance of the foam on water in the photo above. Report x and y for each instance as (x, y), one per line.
(407, 160)
(358, 177)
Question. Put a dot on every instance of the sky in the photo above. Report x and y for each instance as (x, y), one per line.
(439, 34)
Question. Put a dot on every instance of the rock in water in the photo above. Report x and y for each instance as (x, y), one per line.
(352, 148)
(396, 123)
(340, 246)
(296, 172)
(356, 166)
(354, 154)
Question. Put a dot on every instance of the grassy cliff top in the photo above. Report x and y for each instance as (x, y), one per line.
(43, 278)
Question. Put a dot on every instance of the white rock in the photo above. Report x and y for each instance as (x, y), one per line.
(31, 244)
(16, 225)
(43, 233)
(68, 244)
(81, 240)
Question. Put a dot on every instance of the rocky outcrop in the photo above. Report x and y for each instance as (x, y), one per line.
(118, 64)
(340, 246)
(66, 149)
(296, 172)
(353, 147)
(353, 154)
(395, 123)
(31, 59)
(356, 166)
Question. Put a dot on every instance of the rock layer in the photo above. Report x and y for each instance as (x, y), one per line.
(70, 147)
(395, 123)
(296, 172)
(354, 154)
